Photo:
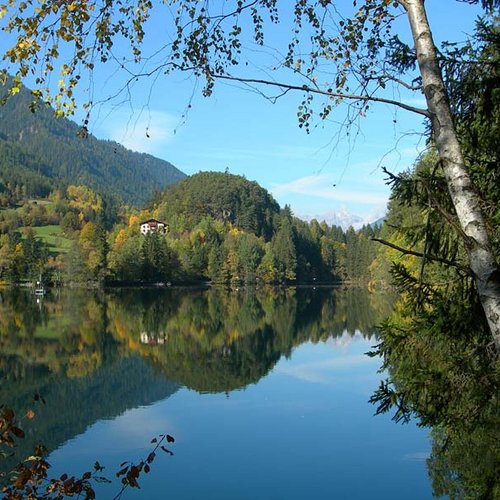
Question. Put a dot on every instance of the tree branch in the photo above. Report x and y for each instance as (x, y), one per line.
(447, 216)
(311, 90)
(403, 83)
(406, 251)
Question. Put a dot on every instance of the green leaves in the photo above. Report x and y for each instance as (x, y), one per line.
(205, 41)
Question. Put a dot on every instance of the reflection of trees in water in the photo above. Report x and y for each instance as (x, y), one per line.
(219, 340)
(466, 465)
(82, 350)
(76, 333)
(62, 351)
(237, 336)
(20, 314)
(444, 372)
(73, 404)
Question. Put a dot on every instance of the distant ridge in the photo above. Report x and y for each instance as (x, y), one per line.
(38, 147)
(340, 217)
(343, 218)
(377, 223)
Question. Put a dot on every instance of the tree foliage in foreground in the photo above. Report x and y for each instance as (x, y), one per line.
(437, 350)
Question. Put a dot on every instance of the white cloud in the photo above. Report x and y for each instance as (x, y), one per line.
(323, 371)
(323, 186)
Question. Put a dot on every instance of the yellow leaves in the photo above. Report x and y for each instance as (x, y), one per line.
(234, 335)
(19, 322)
(133, 221)
(84, 199)
(121, 237)
(87, 234)
(65, 70)
(144, 215)
(14, 90)
(3, 11)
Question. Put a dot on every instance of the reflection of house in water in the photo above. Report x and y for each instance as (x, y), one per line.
(153, 338)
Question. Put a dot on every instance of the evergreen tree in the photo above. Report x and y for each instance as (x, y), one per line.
(284, 250)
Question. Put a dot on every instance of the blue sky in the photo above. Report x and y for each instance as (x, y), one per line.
(237, 129)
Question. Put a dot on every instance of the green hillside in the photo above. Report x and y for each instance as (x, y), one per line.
(221, 196)
(53, 236)
(39, 152)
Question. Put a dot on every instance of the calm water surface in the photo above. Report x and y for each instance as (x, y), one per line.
(265, 392)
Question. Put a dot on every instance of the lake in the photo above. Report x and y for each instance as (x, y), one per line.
(265, 391)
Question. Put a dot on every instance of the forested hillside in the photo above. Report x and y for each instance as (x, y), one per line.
(39, 152)
(226, 229)
(226, 197)
(221, 228)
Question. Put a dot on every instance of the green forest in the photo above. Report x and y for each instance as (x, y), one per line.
(221, 228)
(41, 152)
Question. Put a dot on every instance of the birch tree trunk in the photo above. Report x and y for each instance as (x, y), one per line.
(465, 200)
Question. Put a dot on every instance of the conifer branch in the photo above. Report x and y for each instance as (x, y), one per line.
(407, 251)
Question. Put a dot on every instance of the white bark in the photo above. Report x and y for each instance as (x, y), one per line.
(481, 258)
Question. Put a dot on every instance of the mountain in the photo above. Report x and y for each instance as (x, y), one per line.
(345, 219)
(222, 196)
(39, 152)
(340, 217)
(378, 223)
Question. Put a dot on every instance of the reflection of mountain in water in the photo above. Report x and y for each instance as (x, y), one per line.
(224, 368)
(217, 340)
(73, 404)
(63, 353)
(93, 355)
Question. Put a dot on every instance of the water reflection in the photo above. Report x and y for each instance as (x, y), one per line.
(443, 372)
(92, 355)
(209, 340)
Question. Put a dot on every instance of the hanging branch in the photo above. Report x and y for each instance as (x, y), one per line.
(313, 90)
(407, 251)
